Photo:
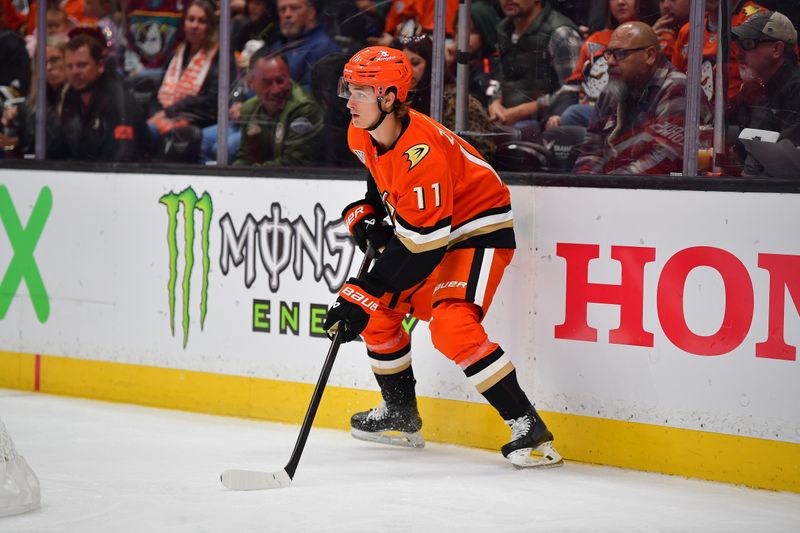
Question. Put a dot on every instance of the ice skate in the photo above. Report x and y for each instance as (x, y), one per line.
(530, 435)
(389, 424)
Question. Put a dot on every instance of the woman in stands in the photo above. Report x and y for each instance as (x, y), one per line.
(19, 121)
(188, 92)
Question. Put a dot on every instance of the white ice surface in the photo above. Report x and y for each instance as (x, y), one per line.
(119, 468)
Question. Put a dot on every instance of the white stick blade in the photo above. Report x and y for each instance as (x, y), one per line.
(251, 480)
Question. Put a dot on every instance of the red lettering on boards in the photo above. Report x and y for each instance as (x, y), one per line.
(628, 295)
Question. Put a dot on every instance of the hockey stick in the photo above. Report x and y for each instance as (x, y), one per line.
(256, 480)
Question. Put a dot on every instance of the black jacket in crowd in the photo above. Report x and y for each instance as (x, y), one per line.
(107, 129)
(15, 65)
(775, 106)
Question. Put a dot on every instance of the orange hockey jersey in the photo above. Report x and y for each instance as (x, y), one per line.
(439, 194)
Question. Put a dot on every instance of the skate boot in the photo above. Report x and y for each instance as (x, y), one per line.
(529, 434)
(397, 425)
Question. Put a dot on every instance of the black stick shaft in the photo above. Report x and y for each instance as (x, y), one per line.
(316, 398)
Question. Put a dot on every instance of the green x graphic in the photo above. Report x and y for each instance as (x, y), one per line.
(23, 241)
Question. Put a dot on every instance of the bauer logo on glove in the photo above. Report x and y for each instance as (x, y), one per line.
(365, 300)
(351, 310)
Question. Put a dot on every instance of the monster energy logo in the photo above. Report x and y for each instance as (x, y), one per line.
(23, 241)
(190, 202)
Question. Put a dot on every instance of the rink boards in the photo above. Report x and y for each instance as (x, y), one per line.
(655, 329)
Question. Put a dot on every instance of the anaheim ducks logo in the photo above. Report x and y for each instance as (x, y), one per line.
(415, 154)
(749, 11)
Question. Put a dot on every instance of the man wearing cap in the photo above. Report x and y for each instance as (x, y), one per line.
(768, 100)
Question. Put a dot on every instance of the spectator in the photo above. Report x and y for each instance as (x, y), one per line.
(741, 12)
(151, 33)
(55, 72)
(188, 92)
(768, 99)
(539, 48)
(258, 23)
(302, 41)
(58, 23)
(639, 124)
(350, 23)
(97, 116)
(15, 68)
(102, 11)
(674, 14)
(20, 119)
(73, 9)
(590, 15)
(12, 16)
(484, 61)
(238, 7)
(410, 17)
(282, 125)
(591, 72)
(418, 50)
(110, 61)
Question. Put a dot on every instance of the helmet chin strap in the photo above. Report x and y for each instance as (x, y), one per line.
(383, 115)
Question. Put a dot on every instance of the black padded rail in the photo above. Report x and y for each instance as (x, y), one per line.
(682, 183)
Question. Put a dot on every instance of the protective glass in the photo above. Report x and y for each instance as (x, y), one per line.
(360, 94)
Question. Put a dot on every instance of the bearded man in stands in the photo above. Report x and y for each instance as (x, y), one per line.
(639, 124)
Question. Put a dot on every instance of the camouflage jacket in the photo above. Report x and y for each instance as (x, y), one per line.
(293, 138)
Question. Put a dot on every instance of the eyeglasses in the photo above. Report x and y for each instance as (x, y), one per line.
(620, 54)
(752, 44)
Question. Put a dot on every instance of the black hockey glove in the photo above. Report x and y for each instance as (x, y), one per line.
(365, 226)
(351, 310)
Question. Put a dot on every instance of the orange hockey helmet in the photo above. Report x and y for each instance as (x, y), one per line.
(381, 68)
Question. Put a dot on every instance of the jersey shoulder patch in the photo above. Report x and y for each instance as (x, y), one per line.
(416, 154)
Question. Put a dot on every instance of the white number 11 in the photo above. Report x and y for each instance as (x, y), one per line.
(421, 196)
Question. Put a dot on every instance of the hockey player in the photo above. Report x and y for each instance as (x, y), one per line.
(443, 255)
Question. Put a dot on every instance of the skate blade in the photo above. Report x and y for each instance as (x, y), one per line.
(393, 438)
(550, 458)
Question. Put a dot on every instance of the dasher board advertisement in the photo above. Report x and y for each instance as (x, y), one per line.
(673, 308)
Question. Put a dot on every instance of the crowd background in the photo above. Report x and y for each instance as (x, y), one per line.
(584, 86)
